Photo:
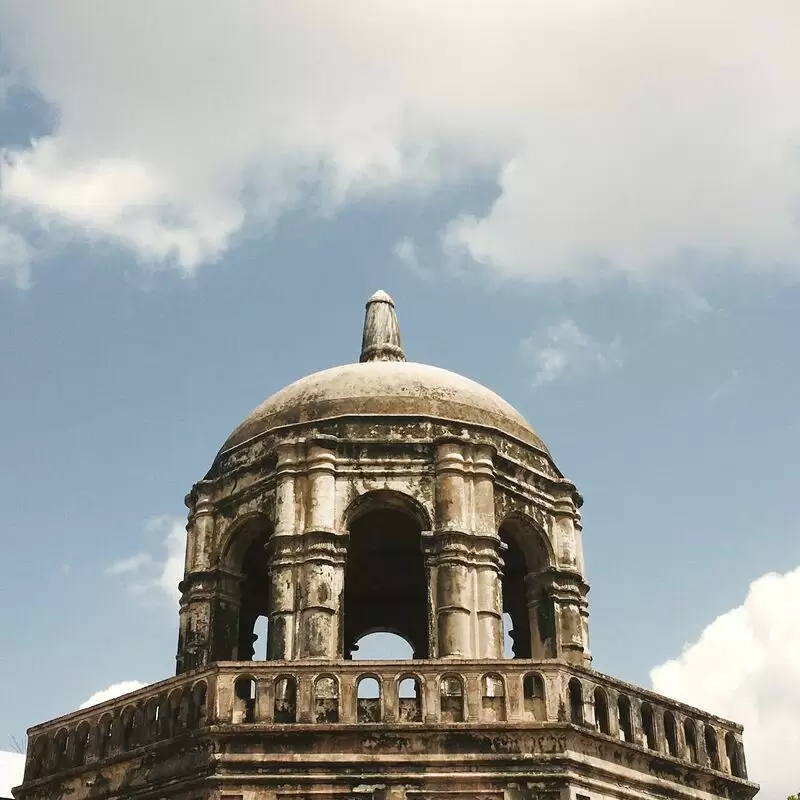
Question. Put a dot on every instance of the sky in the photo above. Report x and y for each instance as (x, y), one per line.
(591, 207)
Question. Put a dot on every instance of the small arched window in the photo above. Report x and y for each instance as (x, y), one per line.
(734, 756)
(711, 747)
(409, 699)
(493, 698)
(533, 699)
(690, 735)
(368, 699)
(671, 733)
(601, 711)
(451, 703)
(326, 699)
(105, 735)
(61, 749)
(152, 712)
(244, 704)
(199, 704)
(285, 700)
(126, 733)
(625, 719)
(82, 744)
(649, 727)
(575, 696)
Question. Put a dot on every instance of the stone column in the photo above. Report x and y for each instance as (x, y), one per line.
(489, 590)
(323, 558)
(448, 565)
(541, 615)
(570, 608)
(282, 549)
(197, 593)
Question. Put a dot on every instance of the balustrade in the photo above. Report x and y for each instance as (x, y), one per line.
(503, 692)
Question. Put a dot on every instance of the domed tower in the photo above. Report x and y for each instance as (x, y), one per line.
(385, 496)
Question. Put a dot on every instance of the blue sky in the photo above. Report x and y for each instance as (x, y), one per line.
(642, 317)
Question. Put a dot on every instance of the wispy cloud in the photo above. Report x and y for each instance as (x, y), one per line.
(726, 386)
(161, 570)
(407, 253)
(563, 349)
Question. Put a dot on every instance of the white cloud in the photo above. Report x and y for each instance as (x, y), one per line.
(162, 571)
(115, 690)
(746, 667)
(623, 134)
(12, 767)
(564, 349)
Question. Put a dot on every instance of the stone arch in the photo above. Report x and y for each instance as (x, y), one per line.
(326, 698)
(199, 699)
(601, 717)
(385, 580)
(493, 697)
(244, 562)
(528, 557)
(410, 697)
(387, 499)
(451, 698)
(534, 701)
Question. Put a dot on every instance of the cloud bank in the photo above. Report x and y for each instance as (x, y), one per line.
(746, 666)
(626, 137)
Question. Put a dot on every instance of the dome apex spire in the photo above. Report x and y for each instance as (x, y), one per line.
(381, 339)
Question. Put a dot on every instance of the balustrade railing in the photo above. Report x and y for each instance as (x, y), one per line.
(506, 692)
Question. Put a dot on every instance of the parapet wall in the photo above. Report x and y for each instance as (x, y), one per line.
(422, 695)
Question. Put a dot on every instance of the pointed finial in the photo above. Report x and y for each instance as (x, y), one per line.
(381, 340)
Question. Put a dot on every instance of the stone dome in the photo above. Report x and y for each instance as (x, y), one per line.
(383, 383)
(381, 388)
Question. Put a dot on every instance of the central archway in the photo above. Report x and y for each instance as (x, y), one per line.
(385, 586)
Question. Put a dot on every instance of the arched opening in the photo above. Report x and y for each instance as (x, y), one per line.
(382, 646)
(711, 747)
(575, 696)
(244, 704)
(671, 733)
(625, 719)
(326, 699)
(493, 698)
(385, 584)
(409, 699)
(82, 744)
(61, 744)
(525, 555)
(199, 704)
(649, 727)
(601, 711)
(533, 699)
(690, 735)
(285, 700)
(734, 756)
(249, 557)
(451, 699)
(368, 699)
